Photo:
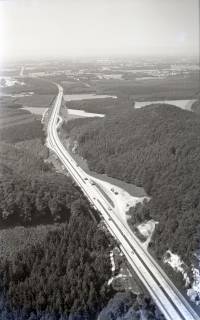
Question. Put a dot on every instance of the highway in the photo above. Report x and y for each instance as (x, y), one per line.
(166, 296)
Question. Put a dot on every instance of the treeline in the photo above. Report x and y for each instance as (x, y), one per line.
(102, 105)
(157, 147)
(128, 306)
(35, 200)
(21, 162)
(196, 105)
(31, 192)
(170, 88)
(65, 277)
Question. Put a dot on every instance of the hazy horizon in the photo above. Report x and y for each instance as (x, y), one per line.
(89, 28)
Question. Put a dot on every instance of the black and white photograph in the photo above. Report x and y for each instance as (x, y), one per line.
(99, 160)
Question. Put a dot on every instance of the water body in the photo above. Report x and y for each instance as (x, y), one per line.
(86, 96)
(183, 104)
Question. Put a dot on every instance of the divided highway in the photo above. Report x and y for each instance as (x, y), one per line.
(167, 297)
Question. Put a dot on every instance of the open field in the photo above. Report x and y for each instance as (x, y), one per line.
(37, 111)
(75, 97)
(82, 113)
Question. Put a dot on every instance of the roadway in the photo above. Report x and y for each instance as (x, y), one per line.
(166, 296)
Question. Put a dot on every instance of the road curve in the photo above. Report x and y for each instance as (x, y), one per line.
(167, 297)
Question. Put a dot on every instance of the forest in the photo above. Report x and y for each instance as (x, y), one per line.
(65, 277)
(157, 147)
(196, 105)
(128, 306)
(31, 201)
(103, 105)
(31, 192)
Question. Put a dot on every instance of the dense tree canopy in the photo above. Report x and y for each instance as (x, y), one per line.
(30, 191)
(66, 274)
(127, 306)
(196, 105)
(36, 200)
(157, 147)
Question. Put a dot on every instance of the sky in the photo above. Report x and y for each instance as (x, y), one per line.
(65, 28)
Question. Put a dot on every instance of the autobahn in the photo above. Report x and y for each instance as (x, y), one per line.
(166, 296)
